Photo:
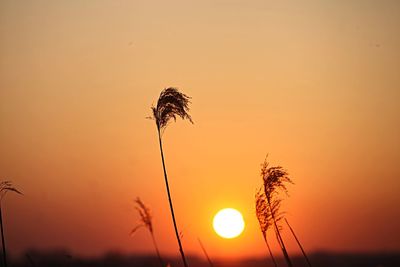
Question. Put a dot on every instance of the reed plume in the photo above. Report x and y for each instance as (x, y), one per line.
(275, 179)
(264, 217)
(5, 187)
(170, 104)
(146, 221)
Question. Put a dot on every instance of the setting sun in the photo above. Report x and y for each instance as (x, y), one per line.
(228, 223)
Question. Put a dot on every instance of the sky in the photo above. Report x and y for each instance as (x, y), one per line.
(313, 84)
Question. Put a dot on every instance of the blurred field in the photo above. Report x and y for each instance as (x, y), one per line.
(320, 259)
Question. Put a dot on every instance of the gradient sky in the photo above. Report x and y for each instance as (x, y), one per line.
(315, 84)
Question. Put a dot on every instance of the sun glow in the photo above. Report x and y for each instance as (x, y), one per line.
(228, 223)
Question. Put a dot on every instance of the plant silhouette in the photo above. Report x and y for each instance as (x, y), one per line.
(298, 243)
(265, 218)
(274, 180)
(146, 221)
(205, 253)
(5, 187)
(170, 104)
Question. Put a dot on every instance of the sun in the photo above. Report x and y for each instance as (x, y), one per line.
(228, 223)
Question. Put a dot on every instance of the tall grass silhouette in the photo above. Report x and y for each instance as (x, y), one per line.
(5, 187)
(274, 182)
(170, 104)
(264, 219)
(205, 253)
(268, 207)
(298, 243)
(146, 221)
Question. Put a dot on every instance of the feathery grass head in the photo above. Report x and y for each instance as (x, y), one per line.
(5, 187)
(274, 178)
(264, 213)
(145, 217)
(268, 202)
(170, 104)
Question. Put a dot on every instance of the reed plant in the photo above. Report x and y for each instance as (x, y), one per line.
(274, 182)
(5, 187)
(170, 104)
(264, 217)
(268, 205)
(146, 221)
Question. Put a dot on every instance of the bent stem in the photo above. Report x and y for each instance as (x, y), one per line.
(170, 201)
(2, 239)
(298, 242)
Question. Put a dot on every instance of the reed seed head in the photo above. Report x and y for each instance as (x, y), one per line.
(170, 104)
(145, 216)
(275, 179)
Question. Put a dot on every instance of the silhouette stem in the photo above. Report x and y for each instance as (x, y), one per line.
(280, 240)
(269, 249)
(2, 239)
(205, 253)
(157, 251)
(298, 242)
(170, 200)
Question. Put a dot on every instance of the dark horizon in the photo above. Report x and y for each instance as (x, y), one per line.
(60, 258)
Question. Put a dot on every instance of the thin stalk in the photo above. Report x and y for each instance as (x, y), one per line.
(2, 239)
(30, 260)
(269, 249)
(158, 252)
(170, 201)
(283, 247)
(205, 253)
(298, 242)
(277, 238)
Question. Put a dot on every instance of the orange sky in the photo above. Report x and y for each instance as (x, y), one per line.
(315, 85)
